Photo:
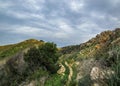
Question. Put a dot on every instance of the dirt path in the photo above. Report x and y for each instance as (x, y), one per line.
(70, 73)
(62, 69)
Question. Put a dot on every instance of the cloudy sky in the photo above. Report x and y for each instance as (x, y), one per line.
(65, 22)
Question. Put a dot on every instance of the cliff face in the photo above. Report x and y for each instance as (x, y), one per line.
(95, 62)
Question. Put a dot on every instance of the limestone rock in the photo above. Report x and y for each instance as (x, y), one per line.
(61, 70)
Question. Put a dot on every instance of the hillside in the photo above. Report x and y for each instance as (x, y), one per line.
(8, 50)
(98, 54)
(100, 40)
(35, 63)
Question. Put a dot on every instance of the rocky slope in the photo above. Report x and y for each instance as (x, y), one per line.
(94, 63)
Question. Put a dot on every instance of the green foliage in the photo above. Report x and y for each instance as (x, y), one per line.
(54, 80)
(70, 49)
(39, 60)
(38, 74)
(58, 80)
(85, 81)
(65, 77)
(114, 79)
(73, 81)
(12, 74)
(10, 50)
(42, 61)
(45, 55)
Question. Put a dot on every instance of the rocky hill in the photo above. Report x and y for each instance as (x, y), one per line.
(8, 50)
(35, 63)
(100, 40)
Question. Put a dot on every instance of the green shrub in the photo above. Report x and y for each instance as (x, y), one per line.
(85, 81)
(45, 55)
(38, 74)
(114, 79)
(54, 80)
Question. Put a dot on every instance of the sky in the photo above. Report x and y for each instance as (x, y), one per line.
(64, 22)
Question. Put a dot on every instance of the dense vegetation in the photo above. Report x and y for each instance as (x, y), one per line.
(45, 55)
(9, 50)
(114, 80)
(36, 62)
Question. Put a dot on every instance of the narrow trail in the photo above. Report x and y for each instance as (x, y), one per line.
(70, 73)
(62, 69)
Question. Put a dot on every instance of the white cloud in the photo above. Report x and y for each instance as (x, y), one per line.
(34, 4)
(60, 35)
(88, 26)
(85, 31)
(30, 31)
(25, 15)
(4, 5)
(114, 19)
(98, 15)
(25, 30)
(64, 30)
(115, 2)
(76, 5)
(64, 27)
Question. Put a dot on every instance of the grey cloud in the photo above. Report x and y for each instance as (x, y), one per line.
(64, 22)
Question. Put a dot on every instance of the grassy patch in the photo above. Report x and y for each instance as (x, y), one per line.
(38, 74)
(54, 80)
(114, 79)
(73, 81)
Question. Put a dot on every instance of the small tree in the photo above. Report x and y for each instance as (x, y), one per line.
(45, 55)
